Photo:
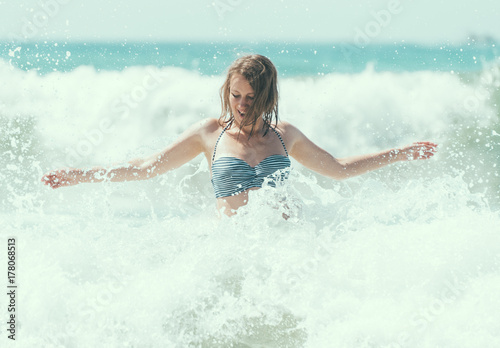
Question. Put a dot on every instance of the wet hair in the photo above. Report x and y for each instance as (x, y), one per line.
(262, 76)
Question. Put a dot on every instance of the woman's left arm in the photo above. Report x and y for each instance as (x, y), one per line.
(317, 159)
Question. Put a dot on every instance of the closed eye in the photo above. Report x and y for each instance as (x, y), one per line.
(237, 96)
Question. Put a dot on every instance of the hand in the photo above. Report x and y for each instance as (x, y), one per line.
(61, 177)
(418, 150)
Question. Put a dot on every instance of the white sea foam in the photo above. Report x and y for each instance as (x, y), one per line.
(407, 256)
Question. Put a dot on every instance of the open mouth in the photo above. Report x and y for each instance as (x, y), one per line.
(242, 114)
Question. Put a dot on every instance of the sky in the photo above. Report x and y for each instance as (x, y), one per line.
(419, 21)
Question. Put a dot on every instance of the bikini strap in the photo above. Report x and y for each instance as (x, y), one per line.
(229, 124)
(279, 136)
(217, 142)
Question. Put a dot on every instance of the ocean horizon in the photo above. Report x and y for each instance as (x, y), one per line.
(212, 58)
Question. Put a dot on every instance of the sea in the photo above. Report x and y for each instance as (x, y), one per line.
(404, 256)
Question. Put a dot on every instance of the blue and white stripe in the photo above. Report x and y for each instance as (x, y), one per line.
(232, 176)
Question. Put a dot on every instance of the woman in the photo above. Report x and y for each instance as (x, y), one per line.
(245, 147)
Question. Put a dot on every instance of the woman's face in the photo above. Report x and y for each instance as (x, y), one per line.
(241, 96)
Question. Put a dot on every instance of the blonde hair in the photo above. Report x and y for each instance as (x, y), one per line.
(262, 76)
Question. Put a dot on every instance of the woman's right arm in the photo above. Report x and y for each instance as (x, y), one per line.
(186, 147)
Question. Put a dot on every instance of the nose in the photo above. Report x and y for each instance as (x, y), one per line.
(243, 103)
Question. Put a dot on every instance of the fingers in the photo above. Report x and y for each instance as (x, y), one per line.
(52, 183)
(426, 142)
(52, 180)
(421, 150)
(424, 149)
(46, 179)
(427, 145)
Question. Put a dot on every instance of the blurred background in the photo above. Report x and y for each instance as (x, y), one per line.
(424, 22)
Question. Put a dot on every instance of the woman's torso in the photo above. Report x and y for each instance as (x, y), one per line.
(239, 164)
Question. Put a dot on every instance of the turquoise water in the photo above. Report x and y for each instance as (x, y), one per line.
(213, 58)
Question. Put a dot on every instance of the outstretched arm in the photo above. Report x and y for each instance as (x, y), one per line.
(185, 148)
(320, 161)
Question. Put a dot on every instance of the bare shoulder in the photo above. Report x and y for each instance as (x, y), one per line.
(196, 138)
(208, 130)
(203, 129)
(286, 126)
(199, 132)
(289, 131)
(298, 145)
(206, 126)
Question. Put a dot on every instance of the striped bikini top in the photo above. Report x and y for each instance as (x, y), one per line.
(231, 176)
